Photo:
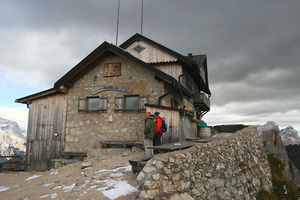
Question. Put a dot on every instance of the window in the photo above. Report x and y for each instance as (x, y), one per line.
(131, 103)
(138, 48)
(112, 69)
(174, 103)
(92, 104)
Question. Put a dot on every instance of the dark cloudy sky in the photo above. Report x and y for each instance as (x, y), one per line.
(253, 49)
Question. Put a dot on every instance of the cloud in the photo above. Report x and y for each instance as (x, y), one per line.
(18, 114)
(252, 46)
(223, 115)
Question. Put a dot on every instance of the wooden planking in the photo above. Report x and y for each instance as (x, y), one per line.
(150, 54)
(172, 119)
(173, 70)
(46, 117)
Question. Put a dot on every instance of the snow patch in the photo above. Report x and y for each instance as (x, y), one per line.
(118, 174)
(124, 168)
(3, 188)
(102, 170)
(33, 177)
(65, 187)
(51, 196)
(48, 184)
(118, 188)
(54, 173)
(85, 184)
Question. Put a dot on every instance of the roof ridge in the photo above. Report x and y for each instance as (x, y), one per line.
(142, 37)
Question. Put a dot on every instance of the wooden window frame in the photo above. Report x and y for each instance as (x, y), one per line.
(86, 102)
(135, 110)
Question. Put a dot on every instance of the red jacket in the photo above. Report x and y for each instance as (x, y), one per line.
(158, 124)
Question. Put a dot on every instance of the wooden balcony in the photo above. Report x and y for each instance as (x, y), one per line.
(191, 90)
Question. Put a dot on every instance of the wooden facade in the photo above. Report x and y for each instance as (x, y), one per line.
(46, 131)
(151, 54)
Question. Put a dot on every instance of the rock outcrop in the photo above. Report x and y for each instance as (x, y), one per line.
(289, 136)
(235, 167)
(271, 138)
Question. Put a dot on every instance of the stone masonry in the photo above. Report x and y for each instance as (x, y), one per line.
(235, 167)
(84, 131)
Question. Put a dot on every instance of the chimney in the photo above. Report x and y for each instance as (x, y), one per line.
(190, 54)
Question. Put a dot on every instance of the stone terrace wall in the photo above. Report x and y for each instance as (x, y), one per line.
(231, 168)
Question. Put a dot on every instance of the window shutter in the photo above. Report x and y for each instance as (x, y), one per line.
(103, 103)
(112, 69)
(119, 103)
(82, 104)
(142, 102)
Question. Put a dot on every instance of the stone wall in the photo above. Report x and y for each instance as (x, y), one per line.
(84, 131)
(235, 167)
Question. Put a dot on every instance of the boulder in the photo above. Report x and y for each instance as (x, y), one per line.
(86, 164)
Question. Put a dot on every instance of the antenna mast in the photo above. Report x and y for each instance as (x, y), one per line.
(118, 23)
(142, 13)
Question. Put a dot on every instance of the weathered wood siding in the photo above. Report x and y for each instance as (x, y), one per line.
(46, 117)
(174, 70)
(172, 119)
(150, 54)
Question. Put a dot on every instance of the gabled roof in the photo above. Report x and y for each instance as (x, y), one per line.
(38, 95)
(201, 60)
(88, 62)
(139, 37)
(191, 62)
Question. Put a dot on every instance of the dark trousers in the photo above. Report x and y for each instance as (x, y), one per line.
(157, 141)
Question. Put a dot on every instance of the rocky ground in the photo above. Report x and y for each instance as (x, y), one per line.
(106, 177)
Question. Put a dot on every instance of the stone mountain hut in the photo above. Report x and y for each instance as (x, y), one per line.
(104, 98)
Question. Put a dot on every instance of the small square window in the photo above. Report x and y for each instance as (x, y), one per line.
(138, 48)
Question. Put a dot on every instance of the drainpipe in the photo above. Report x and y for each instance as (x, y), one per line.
(162, 96)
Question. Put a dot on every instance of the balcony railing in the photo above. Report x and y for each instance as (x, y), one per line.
(186, 82)
(190, 88)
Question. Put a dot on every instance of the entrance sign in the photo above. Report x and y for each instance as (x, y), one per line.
(110, 88)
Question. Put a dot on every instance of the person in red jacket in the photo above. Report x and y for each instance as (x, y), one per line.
(158, 133)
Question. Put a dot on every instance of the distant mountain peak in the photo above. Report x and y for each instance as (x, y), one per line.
(289, 136)
(12, 138)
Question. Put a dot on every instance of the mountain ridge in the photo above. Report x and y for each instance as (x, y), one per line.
(12, 138)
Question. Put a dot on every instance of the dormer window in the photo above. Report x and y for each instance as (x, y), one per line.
(138, 48)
